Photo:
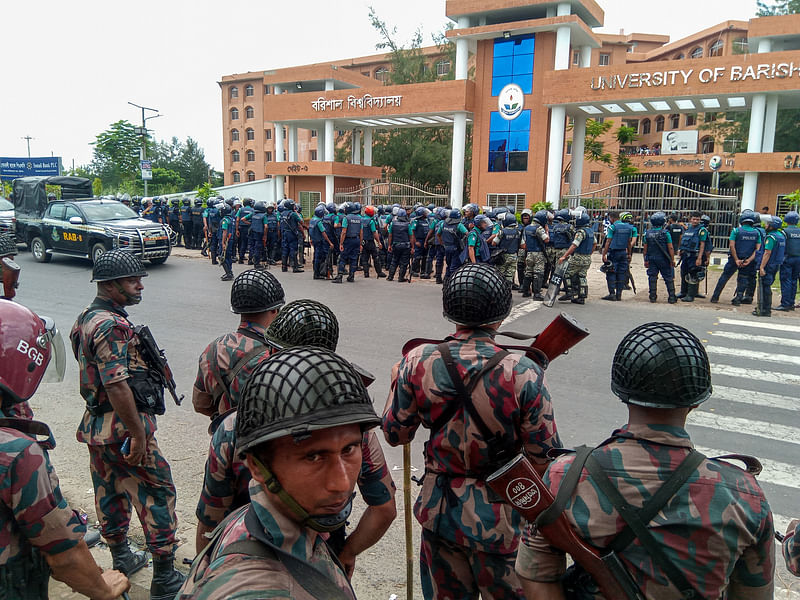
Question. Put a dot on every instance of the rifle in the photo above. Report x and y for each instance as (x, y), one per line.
(522, 487)
(10, 278)
(630, 278)
(155, 359)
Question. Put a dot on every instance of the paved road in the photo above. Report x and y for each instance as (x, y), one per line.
(754, 409)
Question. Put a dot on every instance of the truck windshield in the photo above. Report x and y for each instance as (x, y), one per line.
(108, 211)
(5, 204)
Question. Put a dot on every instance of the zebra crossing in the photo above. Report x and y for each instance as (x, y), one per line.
(755, 409)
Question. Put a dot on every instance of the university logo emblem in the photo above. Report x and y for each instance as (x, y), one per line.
(511, 101)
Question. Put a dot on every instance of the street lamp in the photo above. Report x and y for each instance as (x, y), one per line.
(144, 133)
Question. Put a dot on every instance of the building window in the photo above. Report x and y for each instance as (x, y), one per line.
(567, 175)
(680, 56)
(632, 123)
(697, 52)
(284, 156)
(382, 74)
(716, 48)
(442, 67)
(268, 156)
(645, 126)
(236, 177)
(313, 154)
(569, 146)
(513, 63)
(234, 114)
(248, 90)
(251, 176)
(515, 200)
(740, 46)
(709, 117)
(600, 119)
(268, 134)
(309, 200)
(234, 92)
(313, 133)
(235, 156)
(605, 59)
(284, 133)
(707, 145)
(691, 120)
(249, 112)
(576, 57)
(660, 123)
(594, 177)
(365, 73)
(266, 90)
(674, 121)
(234, 135)
(251, 133)
(509, 142)
(251, 156)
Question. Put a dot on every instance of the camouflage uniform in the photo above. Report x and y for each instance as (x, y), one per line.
(717, 529)
(34, 517)
(107, 351)
(535, 261)
(579, 263)
(20, 410)
(791, 550)
(219, 577)
(468, 541)
(212, 390)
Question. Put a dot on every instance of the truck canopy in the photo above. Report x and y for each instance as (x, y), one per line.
(30, 194)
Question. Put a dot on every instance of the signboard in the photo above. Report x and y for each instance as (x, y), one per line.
(147, 169)
(510, 102)
(48, 166)
(679, 142)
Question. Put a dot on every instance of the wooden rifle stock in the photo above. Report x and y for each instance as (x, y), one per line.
(10, 278)
(520, 485)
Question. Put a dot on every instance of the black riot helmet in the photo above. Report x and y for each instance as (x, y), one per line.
(476, 294)
(117, 264)
(256, 291)
(8, 245)
(198, 202)
(305, 323)
(661, 365)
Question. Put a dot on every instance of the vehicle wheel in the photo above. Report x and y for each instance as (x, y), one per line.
(97, 251)
(159, 261)
(39, 250)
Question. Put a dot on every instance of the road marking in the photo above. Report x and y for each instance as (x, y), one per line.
(753, 374)
(522, 309)
(730, 394)
(761, 325)
(774, 472)
(754, 355)
(763, 429)
(765, 339)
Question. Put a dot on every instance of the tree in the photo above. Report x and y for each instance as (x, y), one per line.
(186, 159)
(116, 155)
(777, 7)
(595, 151)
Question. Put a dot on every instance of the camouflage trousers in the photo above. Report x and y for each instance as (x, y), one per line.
(534, 264)
(578, 267)
(149, 488)
(451, 571)
(508, 267)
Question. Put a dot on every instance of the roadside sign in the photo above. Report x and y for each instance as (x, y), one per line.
(147, 169)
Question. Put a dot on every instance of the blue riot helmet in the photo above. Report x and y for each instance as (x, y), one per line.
(657, 219)
(319, 212)
(420, 212)
(224, 209)
(491, 214)
(526, 214)
(395, 208)
(431, 207)
(331, 208)
(705, 220)
(583, 219)
(357, 207)
(455, 214)
(401, 213)
(510, 219)
(748, 217)
(562, 215)
(260, 206)
(774, 223)
(482, 221)
(540, 217)
(792, 217)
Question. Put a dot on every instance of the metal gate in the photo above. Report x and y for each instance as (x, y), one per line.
(403, 192)
(644, 197)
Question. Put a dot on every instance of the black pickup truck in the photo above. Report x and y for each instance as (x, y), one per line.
(78, 225)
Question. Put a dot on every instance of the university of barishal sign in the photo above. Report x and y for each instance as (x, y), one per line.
(673, 77)
(366, 101)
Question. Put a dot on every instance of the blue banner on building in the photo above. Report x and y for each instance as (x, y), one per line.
(11, 168)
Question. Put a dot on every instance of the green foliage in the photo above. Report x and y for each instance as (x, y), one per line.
(541, 206)
(167, 180)
(593, 203)
(116, 154)
(97, 187)
(734, 129)
(777, 7)
(594, 149)
(6, 189)
(186, 159)
(204, 191)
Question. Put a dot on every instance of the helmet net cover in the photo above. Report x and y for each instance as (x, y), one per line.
(661, 365)
(256, 291)
(476, 294)
(305, 323)
(117, 264)
(300, 390)
(8, 245)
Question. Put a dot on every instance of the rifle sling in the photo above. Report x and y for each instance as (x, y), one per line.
(550, 515)
(223, 386)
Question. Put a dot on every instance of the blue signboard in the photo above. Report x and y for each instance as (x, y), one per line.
(11, 168)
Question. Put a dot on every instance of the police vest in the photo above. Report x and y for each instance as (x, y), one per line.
(622, 234)
(778, 250)
(421, 231)
(745, 243)
(271, 221)
(532, 241)
(175, 213)
(435, 227)
(510, 240)
(400, 237)
(450, 237)
(690, 242)
(186, 213)
(762, 236)
(313, 231)
(327, 222)
(676, 231)
(655, 239)
(587, 245)
(288, 224)
(197, 214)
(561, 235)
(214, 218)
(257, 224)
(353, 226)
(792, 233)
(245, 217)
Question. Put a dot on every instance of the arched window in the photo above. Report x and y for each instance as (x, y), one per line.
(234, 135)
(248, 90)
(251, 155)
(645, 126)
(707, 145)
(442, 67)
(249, 112)
(236, 177)
(660, 123)
(680, 56)
(235, 156)
(234, 114)
(674, 121)
(716, 48)
(234, 92)
(251, 176)
(697, 52)
(251, 133)
(382, 74)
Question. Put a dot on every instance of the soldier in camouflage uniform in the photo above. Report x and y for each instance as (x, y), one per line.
(468, 539)
(791, 547)
(118, 388)
(580, 255)
(293, 499)
(535, 237)
(508, 239)
(225, 364)
(713, 538)
(40, 535)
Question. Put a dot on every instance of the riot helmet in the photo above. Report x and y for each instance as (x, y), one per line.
(305, 323)
(483, 221)
(562, 215)
(527, 214)
(401, 213)
(476, 294)
(792, 217)
(256, 291)
(661, 365)
(510, 219)
(117, 264)
(260, 206)
(198, 202)
(369, 211)
(454, 215)
(491, 214)
(431, 207)
(582, 220)
(747, 217)
(224, 209)
(705, 220)
(247, 202)
(331, 207)
(8, 245)
(320, 211)
(696, 274)
(357, 207)
(657, 219)
(541, 217)
(626, 217)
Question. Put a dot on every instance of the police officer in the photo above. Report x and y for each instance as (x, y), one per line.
(291, 227)
(257, 239)
(463, 532)
(659, 257)
(213, 220)
(227, 232)
(273, 231)
(771, 261)
(676, 230)
(188, 225)
(422, 227)
(692, 249)
(175, 219)
(508, 240)
(119, 388)
(525, 219)
(477, 249)
(758, 225)
(371, 241)
(244, 219)
(535, 238)
(709, 536)
(580, 250)
(401, 232)
(561, 235)
(452, 234)
(745, 243)
(728, 270)
(293, 499)
(618, 247)
(318, 232)
(199, 241)
(349, 238)
(790, 269)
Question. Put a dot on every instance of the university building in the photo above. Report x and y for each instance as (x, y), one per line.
(528, 74)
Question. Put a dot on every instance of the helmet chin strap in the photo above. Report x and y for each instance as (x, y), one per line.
(321, 523)
(131, 298)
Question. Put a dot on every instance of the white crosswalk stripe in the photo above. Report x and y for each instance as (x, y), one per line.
(761, 339)
(730, 394)
(761, 325)
(752, 374)
(764, 429)
(755, 355)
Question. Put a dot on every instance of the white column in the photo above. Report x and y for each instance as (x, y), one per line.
(755, 141)
(578, 139)
(457, 164)
(586, 56)
(328, 85)
(563, 9)
(462, 51)
(555, 152)
(329, 140)
(562, 48)
(368, 147)
(328, 188)
(356, 143)
(321, 144)
(292, 135)
(770, 118)
(278, 135)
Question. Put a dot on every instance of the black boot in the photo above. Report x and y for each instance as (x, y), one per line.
(526, 287)
(125, 561)
(392, 270)
(652, 283)
(672, 298)
(568, 293)
(166, 580)
(338, 278)
(296, 268)
(583, 291)
(537, 286)
(691, 290)
(402, 274)
(285, 264)
(352, 276)
(684, 286)
(439, 268)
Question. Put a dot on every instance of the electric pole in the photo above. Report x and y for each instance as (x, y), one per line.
(28, 139)
(143, 152)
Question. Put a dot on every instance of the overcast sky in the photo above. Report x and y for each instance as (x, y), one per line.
(69, 68)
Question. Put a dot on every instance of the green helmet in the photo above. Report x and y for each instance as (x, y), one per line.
(8, 245)
(117, 264)
(476, 294)
(256, 291)
(305, 323)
